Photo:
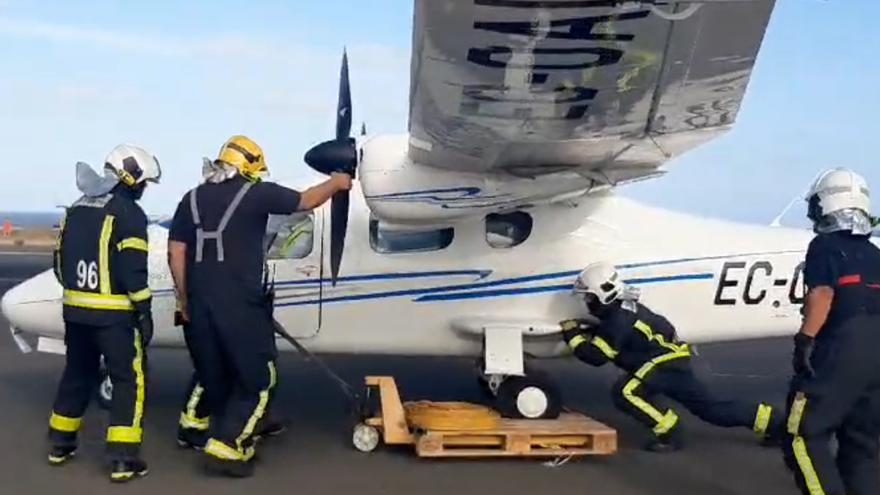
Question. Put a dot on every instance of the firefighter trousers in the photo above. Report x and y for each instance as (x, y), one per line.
(125, 359)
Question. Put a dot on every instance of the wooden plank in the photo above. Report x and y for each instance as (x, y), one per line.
(502, 453)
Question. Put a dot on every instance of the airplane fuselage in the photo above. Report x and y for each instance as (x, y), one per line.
(432, 291)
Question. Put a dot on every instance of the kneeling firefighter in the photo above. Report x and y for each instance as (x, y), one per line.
(835, 391)
(101, 261)
(645, 346)
(216, 257)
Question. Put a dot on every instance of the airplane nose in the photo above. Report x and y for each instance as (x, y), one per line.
(34, 306)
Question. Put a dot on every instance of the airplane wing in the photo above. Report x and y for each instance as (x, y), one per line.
(610, 89)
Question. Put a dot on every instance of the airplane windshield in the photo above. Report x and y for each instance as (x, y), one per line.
(289, 236)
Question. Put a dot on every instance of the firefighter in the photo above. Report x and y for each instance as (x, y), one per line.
(835, 391)
(216, 257)
(101, 261)
(644, 344)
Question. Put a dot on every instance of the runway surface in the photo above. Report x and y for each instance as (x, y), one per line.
(316, 457)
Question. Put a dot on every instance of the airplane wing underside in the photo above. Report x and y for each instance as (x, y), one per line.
(613, 89)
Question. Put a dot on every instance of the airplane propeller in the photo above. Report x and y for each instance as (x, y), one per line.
(337, 155)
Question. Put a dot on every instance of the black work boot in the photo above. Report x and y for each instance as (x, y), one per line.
(670, 442)
(188, 438)
(269, 427)
(776, 431)
(125, 470)
(59, 454)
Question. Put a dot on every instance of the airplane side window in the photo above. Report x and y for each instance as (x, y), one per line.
(289, 236)
(506, 230)
(391, 241)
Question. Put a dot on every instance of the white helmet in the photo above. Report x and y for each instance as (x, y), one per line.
(133, 165)
(835, 190)
(600, 280)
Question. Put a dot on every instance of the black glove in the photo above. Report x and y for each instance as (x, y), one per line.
(144, 323)
(803, 353)
(573, 328)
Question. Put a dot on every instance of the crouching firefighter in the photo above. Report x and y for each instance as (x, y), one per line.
(101, 261)
(835, 391)
(216, 257)
(645, 346)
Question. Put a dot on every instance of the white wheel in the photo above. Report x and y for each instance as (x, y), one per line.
(105, 393)
(365, 437)
(532, 402)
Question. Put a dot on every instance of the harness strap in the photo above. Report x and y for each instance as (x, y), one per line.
(203, 235)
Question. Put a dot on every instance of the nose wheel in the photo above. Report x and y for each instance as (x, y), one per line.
(528, 398)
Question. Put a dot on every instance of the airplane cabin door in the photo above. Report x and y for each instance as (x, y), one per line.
(293, 244)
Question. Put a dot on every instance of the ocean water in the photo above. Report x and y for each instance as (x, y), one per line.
(31, 219)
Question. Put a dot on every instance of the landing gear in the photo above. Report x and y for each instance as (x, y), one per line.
(533, 396)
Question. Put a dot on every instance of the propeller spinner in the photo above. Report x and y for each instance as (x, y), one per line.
(337, 155)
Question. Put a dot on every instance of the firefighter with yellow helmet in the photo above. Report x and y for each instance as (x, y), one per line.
(216, 257)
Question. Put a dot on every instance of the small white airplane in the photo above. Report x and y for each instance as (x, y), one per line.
(466, 234)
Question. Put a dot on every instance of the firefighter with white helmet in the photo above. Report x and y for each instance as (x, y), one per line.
(644, 344)
(101, 262)
(836, 388)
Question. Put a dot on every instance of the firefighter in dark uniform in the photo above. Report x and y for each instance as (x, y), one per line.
(644, 344)
(216, 257)
(101, 261)
(836, 388)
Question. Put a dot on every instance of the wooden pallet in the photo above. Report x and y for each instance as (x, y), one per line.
(570, 435)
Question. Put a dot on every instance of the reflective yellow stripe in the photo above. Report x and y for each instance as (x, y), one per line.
(63, 423)
(124, 434)
(138, 365)
(194, 423)
(133, 243)
(647, 367)
(220, 450)
(642, 405)
(603, 346)
(762, 419)
(797, 413)
(667, 423)
(141, 295)
(59, 240)
(133, 433)
(188, 418)
(576, 341)
(260, 409)
(90, 300)
(646, 329)
(811, 478)
(104, 254)
(799, 446)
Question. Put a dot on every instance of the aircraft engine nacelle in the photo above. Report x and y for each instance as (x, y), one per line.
(403, 193)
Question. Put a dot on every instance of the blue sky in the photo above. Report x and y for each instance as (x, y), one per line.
(180, 77)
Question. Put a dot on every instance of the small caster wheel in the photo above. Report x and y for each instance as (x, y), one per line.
(105, 393)
(365, 437)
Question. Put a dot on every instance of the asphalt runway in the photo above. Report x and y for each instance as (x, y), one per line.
(315, 455)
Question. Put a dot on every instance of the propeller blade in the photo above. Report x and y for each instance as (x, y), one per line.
(339, 206)
(343, 107)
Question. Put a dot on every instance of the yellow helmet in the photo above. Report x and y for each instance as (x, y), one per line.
(245, 155)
